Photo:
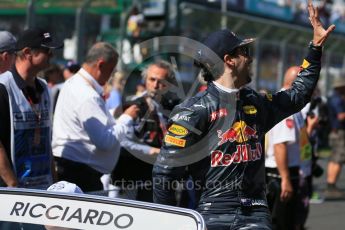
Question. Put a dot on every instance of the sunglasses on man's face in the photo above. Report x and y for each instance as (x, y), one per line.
(45, 50)
(245, 51)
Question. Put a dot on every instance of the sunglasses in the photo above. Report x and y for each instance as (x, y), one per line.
(244, 50)
(45, 50)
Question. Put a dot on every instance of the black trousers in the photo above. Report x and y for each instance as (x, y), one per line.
(80, 174)
(135, 173)
(284, 214)
(256, 217)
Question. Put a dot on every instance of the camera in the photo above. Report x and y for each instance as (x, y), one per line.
(317, 170)
(316, 101)
(140, 102)
(170, 100)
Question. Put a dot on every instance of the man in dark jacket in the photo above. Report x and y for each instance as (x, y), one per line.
(218, 133)
(148, 132)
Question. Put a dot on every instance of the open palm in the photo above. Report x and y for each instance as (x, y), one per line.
(320, 34)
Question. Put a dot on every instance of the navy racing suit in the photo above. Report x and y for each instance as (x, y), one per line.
(218, 138)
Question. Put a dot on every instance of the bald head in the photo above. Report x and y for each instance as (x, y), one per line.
(290, 75)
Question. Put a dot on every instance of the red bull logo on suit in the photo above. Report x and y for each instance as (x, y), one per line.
(243, 153)
(239, 132)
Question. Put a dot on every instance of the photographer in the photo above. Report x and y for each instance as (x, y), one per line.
(316, 119)
(154, 105)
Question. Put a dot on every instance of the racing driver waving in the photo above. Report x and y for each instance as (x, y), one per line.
(217, 135)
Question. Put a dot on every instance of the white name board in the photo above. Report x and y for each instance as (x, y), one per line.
(82, 214)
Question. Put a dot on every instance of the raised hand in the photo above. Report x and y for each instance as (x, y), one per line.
(320, 34)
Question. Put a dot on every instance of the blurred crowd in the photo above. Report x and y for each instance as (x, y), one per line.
(331, 11)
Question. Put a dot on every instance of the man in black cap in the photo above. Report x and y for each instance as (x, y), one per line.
(7, 50)
(219, 133)
(25, 119)
(70, 69)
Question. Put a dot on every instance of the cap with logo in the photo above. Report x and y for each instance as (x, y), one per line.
(7, 42)
(220, 42)
(64, 186)
(37, 38)
(72, 66)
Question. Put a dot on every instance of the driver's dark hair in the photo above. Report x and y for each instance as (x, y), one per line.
(210, 72)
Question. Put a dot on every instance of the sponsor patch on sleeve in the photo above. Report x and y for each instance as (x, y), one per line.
(181, 117)
(223, 112)
(269, 96)
(289, 123)
(249, 109)
(178, 130)
(305, 64)
(174, 141)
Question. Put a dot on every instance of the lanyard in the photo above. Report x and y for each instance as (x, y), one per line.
(89, 82)
(36, 108)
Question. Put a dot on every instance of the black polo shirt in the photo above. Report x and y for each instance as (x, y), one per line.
(32, 94)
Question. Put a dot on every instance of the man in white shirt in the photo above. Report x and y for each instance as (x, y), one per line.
(86, 139)
(288, 151)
